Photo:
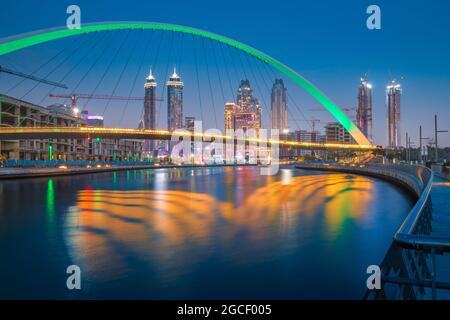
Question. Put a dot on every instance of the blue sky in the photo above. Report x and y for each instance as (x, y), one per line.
(325, 41)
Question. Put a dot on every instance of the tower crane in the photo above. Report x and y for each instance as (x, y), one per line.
(75, 96)
(31, 77)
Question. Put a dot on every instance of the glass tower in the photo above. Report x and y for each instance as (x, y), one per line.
(279, 106)
(149, 121)
(393, 94)
(364, 111)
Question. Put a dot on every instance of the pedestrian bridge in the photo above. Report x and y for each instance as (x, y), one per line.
(30, 133)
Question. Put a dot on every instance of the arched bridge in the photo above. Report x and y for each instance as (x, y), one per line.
(23, 41)
(23, 133)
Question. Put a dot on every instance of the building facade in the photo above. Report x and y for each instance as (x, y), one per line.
(364, 111)
(17, 113)
(249, 113)
(149, 119)
(174, 102)
(229, 112)
(336, 133)
(393, 94)
(279, 106)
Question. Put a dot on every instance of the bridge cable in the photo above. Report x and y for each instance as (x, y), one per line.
(45, 64)
(209, 81)
(180, 57)
(166, 77)
(54, 69)
(268, 69)
(265, 104)
(218, 72)
(102, 52)
(36, 111)
(121, 72)
(256, 85)
(108, 67)
(233, 96)
(76, 64)
(197, 77)
(256, 63)
(234, 67)
(155, 64)
(138, 71)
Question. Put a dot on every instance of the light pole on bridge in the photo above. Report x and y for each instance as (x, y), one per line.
(436, 131)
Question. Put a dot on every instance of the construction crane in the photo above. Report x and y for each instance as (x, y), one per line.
(314, 121)
(75, 96)
(31, 77)
(346, 110)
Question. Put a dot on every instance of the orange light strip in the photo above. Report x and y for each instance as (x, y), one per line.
(168, 134)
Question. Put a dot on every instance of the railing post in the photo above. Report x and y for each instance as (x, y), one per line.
(433, 274)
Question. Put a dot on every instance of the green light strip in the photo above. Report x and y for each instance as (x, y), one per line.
(44, 36)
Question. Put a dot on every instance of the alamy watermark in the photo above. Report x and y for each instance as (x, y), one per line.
(251, 146)
(74, 280)
(374, 20)
(74, 20)
(374, 280)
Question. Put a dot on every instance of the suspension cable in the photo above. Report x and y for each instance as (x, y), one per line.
(138, 71)
(198, 81)
(218, 73)
(121, 73)
(108, 67)
(44, 65)
(77, 49)
(268, 89)
(227, 71)
(269, 69)
(209, 82)
(97, 60)
(166, 77)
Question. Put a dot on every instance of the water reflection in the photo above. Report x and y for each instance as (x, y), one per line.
(173, 229)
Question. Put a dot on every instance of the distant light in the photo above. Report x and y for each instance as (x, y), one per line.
(286, 131)
(76, 110)
(369, 86)
(95, 118)
(62, 167)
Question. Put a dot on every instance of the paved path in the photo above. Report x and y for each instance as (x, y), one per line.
(440, 198)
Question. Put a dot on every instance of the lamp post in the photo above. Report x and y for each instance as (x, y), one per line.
(436, 131)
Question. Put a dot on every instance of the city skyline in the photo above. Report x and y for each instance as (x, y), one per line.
(336, 74)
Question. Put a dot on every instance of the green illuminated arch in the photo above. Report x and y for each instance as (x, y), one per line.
(23, 41)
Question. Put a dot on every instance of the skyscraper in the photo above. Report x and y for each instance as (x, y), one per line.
(229, 115)
(174, 102)
(149, 121)
(248, 114)
(364, 111)
(279, 106)
(393, 94)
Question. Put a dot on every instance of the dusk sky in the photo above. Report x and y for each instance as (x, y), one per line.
(327, 42)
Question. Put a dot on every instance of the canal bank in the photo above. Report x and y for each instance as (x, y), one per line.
(422, 243)
(18, 173)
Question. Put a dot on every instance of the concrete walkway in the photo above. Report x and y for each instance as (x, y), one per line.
(440, 199)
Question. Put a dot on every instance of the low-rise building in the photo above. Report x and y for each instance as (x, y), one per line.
(18, 113)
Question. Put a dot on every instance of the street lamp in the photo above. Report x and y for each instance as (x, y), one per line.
(436, 131)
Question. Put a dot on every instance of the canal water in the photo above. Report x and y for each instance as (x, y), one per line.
(196, 233)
